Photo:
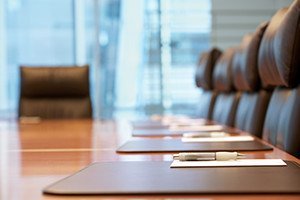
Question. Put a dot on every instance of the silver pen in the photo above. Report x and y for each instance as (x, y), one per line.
(208, 156)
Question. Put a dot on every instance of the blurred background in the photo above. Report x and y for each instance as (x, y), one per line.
(142, 53)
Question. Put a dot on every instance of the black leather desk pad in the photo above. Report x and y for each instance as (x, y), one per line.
(148, 125)
(176, 145)
(137, 178)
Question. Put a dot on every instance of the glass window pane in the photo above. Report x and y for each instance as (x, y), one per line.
(37, 33)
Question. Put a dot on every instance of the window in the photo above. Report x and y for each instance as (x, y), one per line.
(175, 32)
(142, 53)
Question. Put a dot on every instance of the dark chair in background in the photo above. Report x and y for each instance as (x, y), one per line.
(203, 79)
(254, 101)
(227, 100)
(55, 92)
(279, 66)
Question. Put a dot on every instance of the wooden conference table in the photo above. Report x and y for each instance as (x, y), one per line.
(34, 155)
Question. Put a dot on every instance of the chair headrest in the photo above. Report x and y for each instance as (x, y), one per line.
(245, 67)
(279, 60)
(222, 74)
(46, 81)
(205, 66)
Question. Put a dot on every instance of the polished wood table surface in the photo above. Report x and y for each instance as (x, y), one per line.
(34, 155)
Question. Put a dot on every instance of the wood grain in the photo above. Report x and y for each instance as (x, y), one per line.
(34, 155)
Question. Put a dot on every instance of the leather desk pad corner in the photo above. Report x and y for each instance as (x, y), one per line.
(141, 178)
(176, 145)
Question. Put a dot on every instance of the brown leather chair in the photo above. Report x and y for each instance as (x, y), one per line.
(227, 100)
(55, 92)
(254, 100)
(279, 66)
(203, 79)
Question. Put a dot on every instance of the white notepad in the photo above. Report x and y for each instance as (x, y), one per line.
(187, 123)
(219, 139)
(197, 128)
(229, 163)
(205, 134)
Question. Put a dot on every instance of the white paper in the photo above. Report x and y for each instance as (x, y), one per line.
(205, 134)
(229, 163)
(197, 128)
(188, 123)
(219, 139)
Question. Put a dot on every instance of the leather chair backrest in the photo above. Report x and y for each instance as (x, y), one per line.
(222, 74)
(55, 92)
(227, 99)
(204, 69)
(225, 108)
(282, 127)
(245, 72)
(279, 65)
(254, 100)
(203, 79)
(206, 104)
(251, 111)
(279, 50)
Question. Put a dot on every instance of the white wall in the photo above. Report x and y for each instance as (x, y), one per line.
(231, 19)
